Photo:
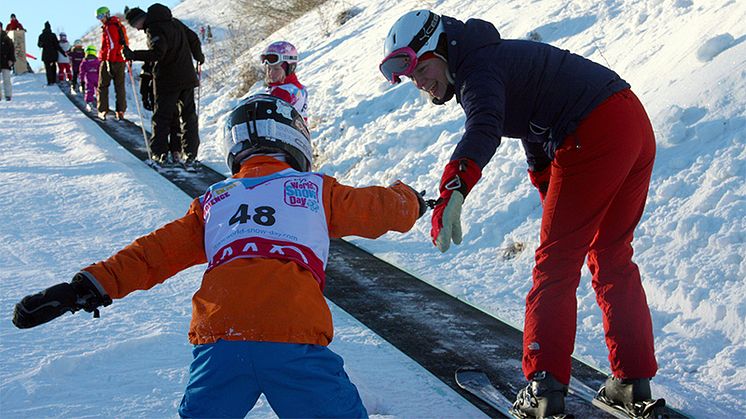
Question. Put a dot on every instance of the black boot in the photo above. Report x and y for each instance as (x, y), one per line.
(543, 397)
(625, 392)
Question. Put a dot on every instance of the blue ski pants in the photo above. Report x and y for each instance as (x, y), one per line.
(227, 377)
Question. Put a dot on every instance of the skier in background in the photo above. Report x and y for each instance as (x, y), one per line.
(113, 40)
(202, 33)
(14, 24)
(7, 60)
(63, 61)
(280, 60)
(209, 34)
(260, 322)
(76, 55)
(172, 45)
(89, 71)
(590, 150)
(50, 49)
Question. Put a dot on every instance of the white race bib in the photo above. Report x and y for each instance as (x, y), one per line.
(280, 216)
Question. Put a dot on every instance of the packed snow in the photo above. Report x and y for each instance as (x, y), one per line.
(75, 197)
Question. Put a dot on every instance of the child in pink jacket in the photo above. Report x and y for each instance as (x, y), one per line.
(89, 75)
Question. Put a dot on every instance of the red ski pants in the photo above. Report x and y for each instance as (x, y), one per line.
(597, 191)
(65, 72)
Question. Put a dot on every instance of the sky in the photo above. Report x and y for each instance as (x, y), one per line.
(84, 199)
(75, 18)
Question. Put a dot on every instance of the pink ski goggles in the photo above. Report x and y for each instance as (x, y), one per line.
(400, 62)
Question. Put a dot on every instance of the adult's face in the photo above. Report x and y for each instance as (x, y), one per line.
(274, 73)
(430, 76)
(139, 23)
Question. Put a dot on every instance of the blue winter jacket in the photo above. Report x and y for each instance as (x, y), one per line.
(520, 89)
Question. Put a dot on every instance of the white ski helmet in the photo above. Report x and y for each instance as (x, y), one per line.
(266, 124)
(411, 36)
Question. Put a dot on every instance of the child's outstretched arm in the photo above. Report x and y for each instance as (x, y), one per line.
(370, 211)
(148, 261)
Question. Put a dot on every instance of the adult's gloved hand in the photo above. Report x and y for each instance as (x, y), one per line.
(146, 91)
(459, 177)
(57, 300)
(540, 179)
(128, 54)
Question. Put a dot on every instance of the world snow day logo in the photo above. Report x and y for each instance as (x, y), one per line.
(302, 193)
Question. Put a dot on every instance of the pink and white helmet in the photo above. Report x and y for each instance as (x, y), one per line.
(281, 52)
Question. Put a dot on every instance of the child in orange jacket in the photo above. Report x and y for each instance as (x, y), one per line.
(260, 323)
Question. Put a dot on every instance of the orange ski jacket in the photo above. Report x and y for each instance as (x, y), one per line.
(256, 299)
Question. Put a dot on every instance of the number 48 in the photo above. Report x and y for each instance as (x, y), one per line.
(263, 216)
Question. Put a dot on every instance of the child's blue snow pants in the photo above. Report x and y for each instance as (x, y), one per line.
(227, 377)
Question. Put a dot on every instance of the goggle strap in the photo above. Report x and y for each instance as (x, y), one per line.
(425, 32)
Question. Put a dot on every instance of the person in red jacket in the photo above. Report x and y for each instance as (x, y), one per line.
(260, 322)
(14, 24)
(113, 40)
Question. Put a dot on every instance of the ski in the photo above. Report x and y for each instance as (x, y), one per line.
(649, 409)
(476, 382)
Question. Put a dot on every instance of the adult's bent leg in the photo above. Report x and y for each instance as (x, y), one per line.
(584, 182)
(616, 279)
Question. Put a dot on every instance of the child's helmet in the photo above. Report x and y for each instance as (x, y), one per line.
(266, 124)
(279, 52)
(90, 50)
(77, 42)
(63, 36)
(102, 12)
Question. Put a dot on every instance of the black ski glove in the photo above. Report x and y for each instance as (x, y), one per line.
(57, 300)
(128, 54)
(420, 200)
(146, 91)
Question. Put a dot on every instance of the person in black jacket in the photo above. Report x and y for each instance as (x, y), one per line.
(7, 59)
(590, 150)
(50, 46)
(171, 46)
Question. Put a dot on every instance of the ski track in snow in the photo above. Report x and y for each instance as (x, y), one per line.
(75, 197)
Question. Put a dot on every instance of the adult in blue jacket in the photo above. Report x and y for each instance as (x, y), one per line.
(590, 150)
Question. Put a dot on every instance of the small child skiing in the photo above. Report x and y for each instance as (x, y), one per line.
(260, 322)
(76, 55)
(63, 61)
(280, 60)
(89, 76)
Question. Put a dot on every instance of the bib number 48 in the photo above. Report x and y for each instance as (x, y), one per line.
(264, 215)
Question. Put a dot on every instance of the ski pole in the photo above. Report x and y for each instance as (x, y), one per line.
(199, 85)
(139, 113)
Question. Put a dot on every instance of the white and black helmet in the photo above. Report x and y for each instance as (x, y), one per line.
(419, 30)
(266, 124)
